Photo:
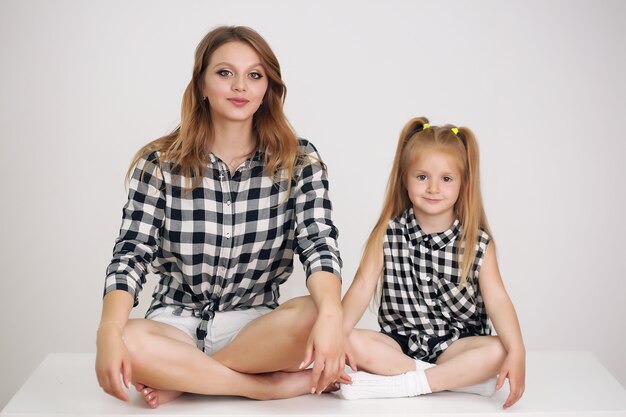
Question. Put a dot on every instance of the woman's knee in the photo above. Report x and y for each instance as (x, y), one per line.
(299, 315)
(134, 336)
(303, 303)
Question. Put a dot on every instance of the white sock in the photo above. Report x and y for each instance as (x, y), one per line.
(422, 365)
(366, 385)
(486, 389)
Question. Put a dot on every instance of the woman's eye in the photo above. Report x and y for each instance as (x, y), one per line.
(256, 75)
(224, 73)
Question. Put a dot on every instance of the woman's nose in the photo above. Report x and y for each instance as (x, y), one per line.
(239, 84)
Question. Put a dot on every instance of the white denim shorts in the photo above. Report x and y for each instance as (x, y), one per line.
(221, 329)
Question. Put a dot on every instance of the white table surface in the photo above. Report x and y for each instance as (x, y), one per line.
(557, 384)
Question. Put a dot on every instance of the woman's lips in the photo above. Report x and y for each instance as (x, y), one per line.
(239, 102)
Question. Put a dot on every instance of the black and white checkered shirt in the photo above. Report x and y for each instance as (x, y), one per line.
(421, 295)
(229, 244)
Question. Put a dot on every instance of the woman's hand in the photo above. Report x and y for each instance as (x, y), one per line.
(325, 347)
(513, 368)
(112, 359)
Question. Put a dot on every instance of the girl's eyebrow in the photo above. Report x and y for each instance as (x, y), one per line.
(449, 174)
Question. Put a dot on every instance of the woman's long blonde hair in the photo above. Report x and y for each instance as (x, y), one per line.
(186, 148)
(414, 141)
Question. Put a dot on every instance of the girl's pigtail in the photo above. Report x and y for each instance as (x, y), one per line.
(470, 208)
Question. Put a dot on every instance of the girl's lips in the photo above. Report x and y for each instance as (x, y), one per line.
(239, 102)
(432, 200)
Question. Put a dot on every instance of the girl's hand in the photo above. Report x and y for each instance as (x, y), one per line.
(325, 348)
(112, 359)
(513, 368)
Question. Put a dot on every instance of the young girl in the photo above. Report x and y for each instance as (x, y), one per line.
(440, 281)
(216, 209)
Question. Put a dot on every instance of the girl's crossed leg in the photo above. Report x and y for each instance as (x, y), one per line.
(468, 361)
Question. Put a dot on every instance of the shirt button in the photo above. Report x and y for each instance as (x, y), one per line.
(227, 235)
(228, 203)
(425, 250)
(426, 238)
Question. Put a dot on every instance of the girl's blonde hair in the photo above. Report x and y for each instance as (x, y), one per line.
(419, 138)
(187, 146)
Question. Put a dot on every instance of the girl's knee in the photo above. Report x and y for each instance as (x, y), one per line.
(497, 352)
(355, 340)
(359, 342)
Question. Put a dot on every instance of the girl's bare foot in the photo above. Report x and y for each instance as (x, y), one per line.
(156, 397)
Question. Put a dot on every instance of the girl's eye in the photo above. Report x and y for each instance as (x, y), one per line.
(421, 177)
(256, 75)
(447, 179)
(224, 73)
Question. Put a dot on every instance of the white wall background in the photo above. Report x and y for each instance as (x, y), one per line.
(84, 84)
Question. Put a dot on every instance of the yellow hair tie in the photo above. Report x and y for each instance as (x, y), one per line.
(425, 126)
(455, 130)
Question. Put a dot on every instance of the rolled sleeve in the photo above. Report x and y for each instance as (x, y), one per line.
(139, 237)
(316, 235)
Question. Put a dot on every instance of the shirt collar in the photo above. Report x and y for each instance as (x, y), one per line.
(255, 160)
(434, 241)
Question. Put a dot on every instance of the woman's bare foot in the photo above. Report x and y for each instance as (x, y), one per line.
(273, 386)
(156, 397)
(279, 385)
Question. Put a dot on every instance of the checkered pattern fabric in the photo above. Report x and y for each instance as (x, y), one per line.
(229, 244)
(422, 297)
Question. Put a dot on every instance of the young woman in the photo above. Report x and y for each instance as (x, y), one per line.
(216, 209)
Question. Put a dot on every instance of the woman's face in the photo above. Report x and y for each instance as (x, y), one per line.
(234, 82)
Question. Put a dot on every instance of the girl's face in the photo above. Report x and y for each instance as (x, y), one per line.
(433, 182)
(234, 82)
